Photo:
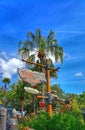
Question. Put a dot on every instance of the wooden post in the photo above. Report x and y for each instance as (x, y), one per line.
(48, 88)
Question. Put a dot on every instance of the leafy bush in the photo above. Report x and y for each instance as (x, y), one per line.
(42, 121)
(57, 122)
(24, 122)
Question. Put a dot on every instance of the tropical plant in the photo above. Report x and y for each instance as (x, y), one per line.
(5, 81)
(37, 42)
(20, 99)
(57, 122)
(58, 90)
(81, 100)
(42, 48)
(1, 96)
(19, 94)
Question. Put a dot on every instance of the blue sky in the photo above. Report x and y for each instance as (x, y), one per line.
(65, 17)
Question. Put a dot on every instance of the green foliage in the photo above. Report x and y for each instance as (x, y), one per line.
(81, 100)
(6, 80)
(23, 122)
(42, 121)
(43, 46)
(75, 106)
(57, 122)
(59, 91)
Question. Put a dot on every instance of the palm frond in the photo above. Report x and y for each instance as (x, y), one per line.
(31, 58)
(30, 39)
(56, 56)
(61, 57)
(29, 35)
(43, 44)
(51, 34)
(61, 54)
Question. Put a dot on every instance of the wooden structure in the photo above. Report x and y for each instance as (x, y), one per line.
(31, 77)
(48, 69)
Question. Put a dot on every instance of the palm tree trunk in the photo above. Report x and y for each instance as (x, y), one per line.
(34, 103)
(4, 94)
(22, 106)
(5, 90)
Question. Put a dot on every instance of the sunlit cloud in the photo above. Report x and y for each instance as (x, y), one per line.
(9, 68)
(79, 74)
(67, 56)
(13, 54)
(4, 55)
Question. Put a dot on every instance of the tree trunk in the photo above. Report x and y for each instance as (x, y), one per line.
(22, 104)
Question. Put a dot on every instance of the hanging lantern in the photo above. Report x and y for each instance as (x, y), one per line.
(42, 104)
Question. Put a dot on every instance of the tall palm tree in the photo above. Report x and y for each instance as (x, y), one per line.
(5, 81)
(21, 98)
(42, 46)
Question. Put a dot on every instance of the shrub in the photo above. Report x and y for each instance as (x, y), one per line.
(24, 122)
(59, 121)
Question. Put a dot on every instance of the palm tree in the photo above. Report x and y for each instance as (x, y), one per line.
(42, 46)
(5, 81)
(20, 93)
(21, 98)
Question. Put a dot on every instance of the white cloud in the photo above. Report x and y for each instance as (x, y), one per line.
(67, 56)
(4, 55)
(13, 54)
(9, 68)
(79, 74)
